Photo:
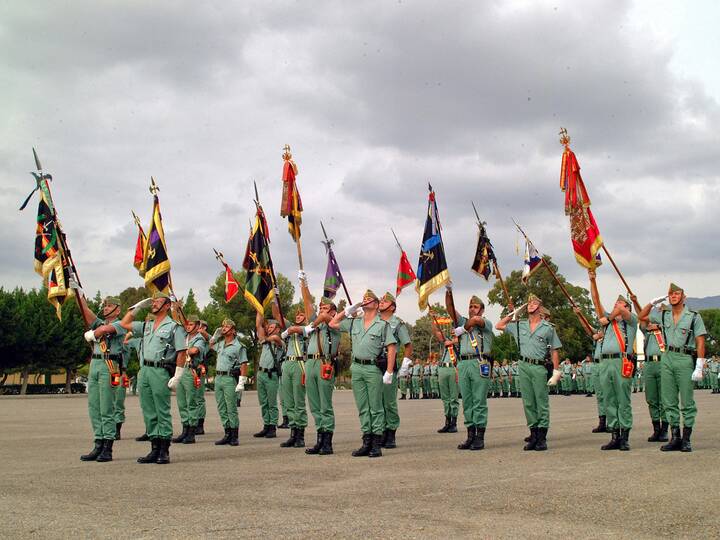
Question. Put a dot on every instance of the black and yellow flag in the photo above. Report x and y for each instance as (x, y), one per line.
(258, 266)
(432, 270)
(484, 255)
(155, 266)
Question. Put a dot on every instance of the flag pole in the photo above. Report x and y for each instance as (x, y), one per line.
(498, 275)
(622, 278)
(261, 214)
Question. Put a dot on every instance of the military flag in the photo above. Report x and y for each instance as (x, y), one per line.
(532, 261)
(405, 274)
(333, 276)
(484, 254)
(432, 270)
(259, 280)
(155, 266)
(139, 245)
(291, 205)
(231, 284)
(584, 232)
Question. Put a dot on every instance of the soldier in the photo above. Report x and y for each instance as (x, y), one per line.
(131, 343)
(186, 394)
(566, 380)
(231, 364)
(495, 381)
(403, 383)
(714, 374)
(597, 375)
(683, 332)
(322, 349)
(416, 372)
(106, 335)
(474, 367)
(538, 344)
(434, 386)
(426, 379)
(619, 328)
(369, 335)
(506, 378)
(268, 376)
(121, 389)
(579, 377)
(515, 378)
(447, 380)
(587, 371)
(163, 346)
(400, 331)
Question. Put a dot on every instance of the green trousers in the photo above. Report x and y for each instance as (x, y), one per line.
(566, 382)
(514, 384)
(714, 383)
(589, 386)
(474, 389)
(293, 393)
(676, 370)
(534, 389)
(186, 397)
(598, 369)
(580, 382)
(267, 390)
(101, 400)
(390, 404)
(434, 384)
(133, 384)
(653, 390)
(426, 386)
(155, 402)
(120, 393)
(448, 390)
(617, 390)
(367, 390)
(281, 395)
(200, 397)
(226, 399)
(319, 394)
(403, 385)
(506, 386)
(415, 385)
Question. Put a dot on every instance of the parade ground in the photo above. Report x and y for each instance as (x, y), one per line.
(423, 489)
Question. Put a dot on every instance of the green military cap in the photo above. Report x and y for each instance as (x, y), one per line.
(160, 294)
(228, 322)
(204, 323)
(114, 300)
(326, 301)
(534, 297)
(370, 294)
(272, 321)
(675, 288)
(192, 318)
(621, 298)
(389, 297)
(476, 300)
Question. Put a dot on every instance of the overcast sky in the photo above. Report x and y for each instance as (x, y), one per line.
(375, 98)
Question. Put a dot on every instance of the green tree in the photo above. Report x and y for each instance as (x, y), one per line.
(423, 340)
(190, 306)
(711, 318)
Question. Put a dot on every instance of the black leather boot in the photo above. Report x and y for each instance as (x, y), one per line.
(234, 437)
(383, 437)
(163, 452)
(453, 425)
(532, 442)
(445, 428)
(478, 442)
(375, 449)
(402, 396)
(602, 425)
(389, 439)
(299, 438)
(318, 444)
(624, 442)
(153, 455)
(262, 433)
(190, 437)
(685, 447)
(675, 443)
(225, 439)
(284, 424)
(541, 444)
(663, 431)
(106, 454)
(364, 450)
(94, 453)
(326, 449)
(118, 427)
(291, 441)
(200, 429)
(614, 443)
(655, 437)
(470, 437)
(142, 438)
(271, 433)
(180, 438)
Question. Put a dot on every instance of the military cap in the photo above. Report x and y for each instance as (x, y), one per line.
(534, 297)
(389, 297)
(228, 322)
(114, 300)
(476, 300)
(192, 318)
(326, 301)
(204, 323)
(160, 294)
(272, 321)
(370, 294)
(674, 288)
(621, 298)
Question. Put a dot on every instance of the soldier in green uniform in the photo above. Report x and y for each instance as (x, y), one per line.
(506, 378)
(714, 374)
(447, 379)
(683, 332)
(620, 327)
(515, 379)
(202, 370)
(403, 383)
(579, 378)
(163, 346)
(597, 375)
(474, 367)
(566, 380)
(587, 371)
(121, 390)
(268, 376)
(434, 383)
(186, 395)
(131, 343)
(415, 379)
(495, 381)
(369, 336)
(399, 329)
(106, 335)
(232, 362)
(426, 379)
(538, 344)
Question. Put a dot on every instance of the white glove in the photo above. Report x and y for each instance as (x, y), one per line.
(556, 376)
(173, 382)
(360, 312)
(517, 310)
(309, 329)
(352, 310)
(142, 304)
(276, 290)
(284, 334)
(459, 331)
(241, 383)
(658, 300)
(406, 363)
(387, 378)
(73, 282)
(90, 336)
(302, 276)
(697, 375)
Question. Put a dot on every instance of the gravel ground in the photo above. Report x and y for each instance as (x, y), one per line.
(423, 489)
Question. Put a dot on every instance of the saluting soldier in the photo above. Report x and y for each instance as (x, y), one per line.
(230, 377)
(619, 328)
(268, 376)
(399, 329)
(370, 337)
(538, 344)
(653, 348)
(185, 395)
(106, 335)
(684, 334)
(163, 347)
(474, 367)
(415, 379)
(447, 379)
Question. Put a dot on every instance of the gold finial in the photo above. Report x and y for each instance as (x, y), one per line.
(153, 186)
(137, 219)
(287, 156)
(564, 137)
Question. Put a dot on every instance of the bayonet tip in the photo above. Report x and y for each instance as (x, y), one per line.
(37, 160)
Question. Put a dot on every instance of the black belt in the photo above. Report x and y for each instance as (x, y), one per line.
(159, 363)
(682, 350)
(535, 361)
(447, 364)
(653, 358)
(113, 357)
(364, 362)
(611, 356)
(296, 358)
(317, 357)
(268, 371)
(596, 360)
(223, 373)
(474, 357)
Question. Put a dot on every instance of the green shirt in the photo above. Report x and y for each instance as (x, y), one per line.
(399, 330)
(714, 366)
(534, 345)
(483, 336)
(515, 369)
(416, 370)
(329, 341)
(267, 360)
(628, 330)
(598, 348)
(368, 344)
(426, 371)
(566, 368)
(680, 334)
(587, 367)
(229, 355)
(160, 344)
(114, 341)
(652, 348)
(198, 341)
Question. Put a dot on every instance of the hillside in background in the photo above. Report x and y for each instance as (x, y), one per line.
(704, 303)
